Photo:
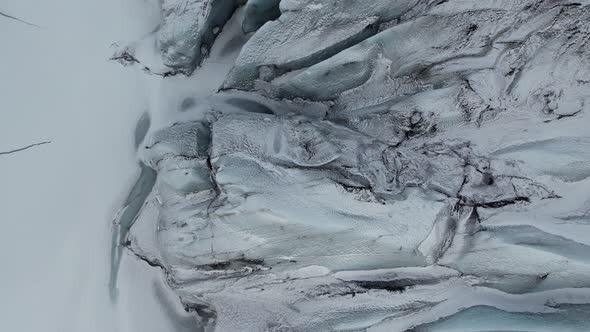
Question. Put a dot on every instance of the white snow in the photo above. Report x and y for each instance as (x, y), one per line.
(58, 200)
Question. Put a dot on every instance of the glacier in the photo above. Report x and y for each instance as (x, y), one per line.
(391, 165)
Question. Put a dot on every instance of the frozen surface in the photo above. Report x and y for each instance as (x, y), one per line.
(259, 12)
(189, 28)
(307, 32)
(570, 318)
(352, 165)
(58, 199)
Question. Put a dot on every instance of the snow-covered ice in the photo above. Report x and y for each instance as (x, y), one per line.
(387, 166)
(320, 165)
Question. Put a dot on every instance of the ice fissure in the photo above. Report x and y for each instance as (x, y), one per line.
(24, 148)
(19, 20)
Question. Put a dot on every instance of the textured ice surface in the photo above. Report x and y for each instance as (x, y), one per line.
(259, 12)
(571, 318)
(184, 37)
(189, 29)
(307, 32)
(382, 165)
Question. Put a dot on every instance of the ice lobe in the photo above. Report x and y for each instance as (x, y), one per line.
(258, 12)
(486, 318)
(189, 29)
(308, 32)
(405, 49)
(496, 41)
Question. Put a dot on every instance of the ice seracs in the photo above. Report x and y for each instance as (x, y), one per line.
(306, 33)
(188, 30)
(389, 165)
(258, 12)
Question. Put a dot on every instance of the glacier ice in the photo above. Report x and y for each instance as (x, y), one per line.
(259, 12)
(386, 165)
(570, 318)
(189, 29)
(307, 32)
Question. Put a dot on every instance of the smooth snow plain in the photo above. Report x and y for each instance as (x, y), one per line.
(57, 200)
